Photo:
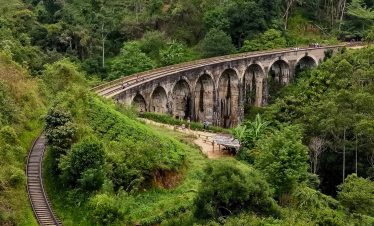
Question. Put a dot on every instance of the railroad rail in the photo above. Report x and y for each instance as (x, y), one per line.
(117, 86)
(37, 195)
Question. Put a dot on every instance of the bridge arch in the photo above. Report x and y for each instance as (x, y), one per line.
(305, 62)
(253, 84)
(228, 98)
(159, 101)
(279, 75)
(182, 99)
(204, 98)
(139, 103)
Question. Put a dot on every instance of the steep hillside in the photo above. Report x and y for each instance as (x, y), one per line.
(21, 120)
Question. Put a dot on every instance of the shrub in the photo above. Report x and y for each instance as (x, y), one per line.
(60, 130)
(105, 209)
(62, 75)
(228, 188)
(357, 195)
(84, 164)
(282, 158)
(217, 43)
(8, 135)
(131, 60)
(271, 39)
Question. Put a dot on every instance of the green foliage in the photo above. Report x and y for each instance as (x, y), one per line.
(62, 75)
(130, 61)
(168, 119)
(282, 158)
(216, 43)
(357, 195)
(152, 42)
(84, 165)
(271, 39)
(174, 53)
(60, 130)
(105, 209)
(228, 188)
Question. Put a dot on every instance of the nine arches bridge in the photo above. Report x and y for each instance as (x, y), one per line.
(215, 89)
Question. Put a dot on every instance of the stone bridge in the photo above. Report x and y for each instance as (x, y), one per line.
(216, 89)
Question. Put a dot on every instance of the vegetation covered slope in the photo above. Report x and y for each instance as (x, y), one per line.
(21, 120)
(112, 38)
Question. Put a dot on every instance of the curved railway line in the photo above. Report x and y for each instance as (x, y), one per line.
(38, 198)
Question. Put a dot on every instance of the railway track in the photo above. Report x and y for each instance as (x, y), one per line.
(37, 195)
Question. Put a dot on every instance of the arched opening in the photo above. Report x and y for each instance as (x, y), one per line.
(139, 103)
(159, 101)
(253, 85)
(228, 97)
(204, 99)
(304, 63)
(279, 75)
(181, 100)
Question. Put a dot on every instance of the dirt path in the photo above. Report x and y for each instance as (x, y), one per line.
(203, 139)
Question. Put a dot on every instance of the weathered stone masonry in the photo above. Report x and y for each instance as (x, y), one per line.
(218, 92)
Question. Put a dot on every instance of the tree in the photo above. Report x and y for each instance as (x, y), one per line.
(357, 195)
(105, 209)
(61, 75)
(174, 53)
(60, 130)
(316, 147)
(251, 131)
(271, 39)
(282, 158)
(217, 43)
(131, 60)
(229, 188)
(84, 165)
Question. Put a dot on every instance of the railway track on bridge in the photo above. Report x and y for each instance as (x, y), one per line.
(37, 195)
(114, 87)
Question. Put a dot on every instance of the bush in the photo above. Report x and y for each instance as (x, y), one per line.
(271, 39)
(282, 158)
(60, 131)
(174, 53)
(217, 43)
(167, 119)
(84, 165)
(131, 60)
(357, 195)
(62, 75)
(105, 209)
(229, 188)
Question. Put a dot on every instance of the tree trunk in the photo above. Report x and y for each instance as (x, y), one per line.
(344, 155)
(356, 154)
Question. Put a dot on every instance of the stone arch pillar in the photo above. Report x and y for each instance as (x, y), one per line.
(159, 101)
(204, 99)
(228, 98)
(182, 100)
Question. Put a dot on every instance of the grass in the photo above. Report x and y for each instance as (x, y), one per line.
(167, 119)
(24, 104)
(147, 207)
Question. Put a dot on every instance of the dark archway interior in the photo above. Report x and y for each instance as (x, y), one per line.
(182, 100)
(159, 101)
(250, 83)
(139, 103)
(204, 94)
(304, 63)
(279, 75)
(228, 92)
